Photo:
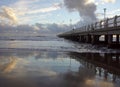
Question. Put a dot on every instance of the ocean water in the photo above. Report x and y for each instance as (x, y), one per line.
(56, 62)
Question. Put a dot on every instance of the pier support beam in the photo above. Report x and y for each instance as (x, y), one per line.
(117, 59)
(95, 39)
(106, 39)
(110, 40)
(82, 38)
(88, 38)
(117, 39)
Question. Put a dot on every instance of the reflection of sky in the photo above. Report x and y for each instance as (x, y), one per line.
(46, 63)
(50, 69)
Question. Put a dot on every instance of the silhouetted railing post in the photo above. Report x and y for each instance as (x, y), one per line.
(115, 21)
(117, 59)
(95, 25)
(106, 23)
(88, 27)
(92, 27)
(84, 28)
(117, 39)
(100, 24)
(110, 39)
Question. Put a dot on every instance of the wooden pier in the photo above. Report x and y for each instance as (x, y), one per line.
(109, 29)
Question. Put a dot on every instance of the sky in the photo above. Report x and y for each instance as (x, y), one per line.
(52, 16)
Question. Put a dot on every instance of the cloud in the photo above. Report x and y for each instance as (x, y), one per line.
(52, 28)
(112, 13)
(36, 28)
(26, 7)
(86, 8)
(32, 30)
(8, 14)
(103, 2)
(44, 10)
(19, 30)
(109, 1)
(23, 6)
(29, 10)
(89, 1)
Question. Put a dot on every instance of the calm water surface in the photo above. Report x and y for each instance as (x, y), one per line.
(55, 62)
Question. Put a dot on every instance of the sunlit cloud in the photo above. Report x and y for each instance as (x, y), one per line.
(23, 6)
(36, 28)
(25, 9)
(103, 2)
(8, 14)
(109, 1)
(89, 1)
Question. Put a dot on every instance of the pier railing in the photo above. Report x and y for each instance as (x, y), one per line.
(103, 24)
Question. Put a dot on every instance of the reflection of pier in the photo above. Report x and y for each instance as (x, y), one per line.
(109, 28)
(102, 64)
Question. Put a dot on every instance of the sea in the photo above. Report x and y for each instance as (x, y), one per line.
(50, 61)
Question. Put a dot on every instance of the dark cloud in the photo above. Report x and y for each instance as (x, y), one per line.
(85, 8)
(52, 28)
(37, 29)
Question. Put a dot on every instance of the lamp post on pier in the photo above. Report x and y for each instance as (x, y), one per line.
(104, 13)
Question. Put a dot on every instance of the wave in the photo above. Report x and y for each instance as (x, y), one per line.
(53, 44)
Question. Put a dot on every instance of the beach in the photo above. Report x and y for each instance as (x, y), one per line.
(56, 62)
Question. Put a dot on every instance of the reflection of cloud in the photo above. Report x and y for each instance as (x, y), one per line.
(45, 72)
(10, 65)
(93, 83)
(46, 55)
(85, 79)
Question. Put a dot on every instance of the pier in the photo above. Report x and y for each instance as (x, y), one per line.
(109, 29)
